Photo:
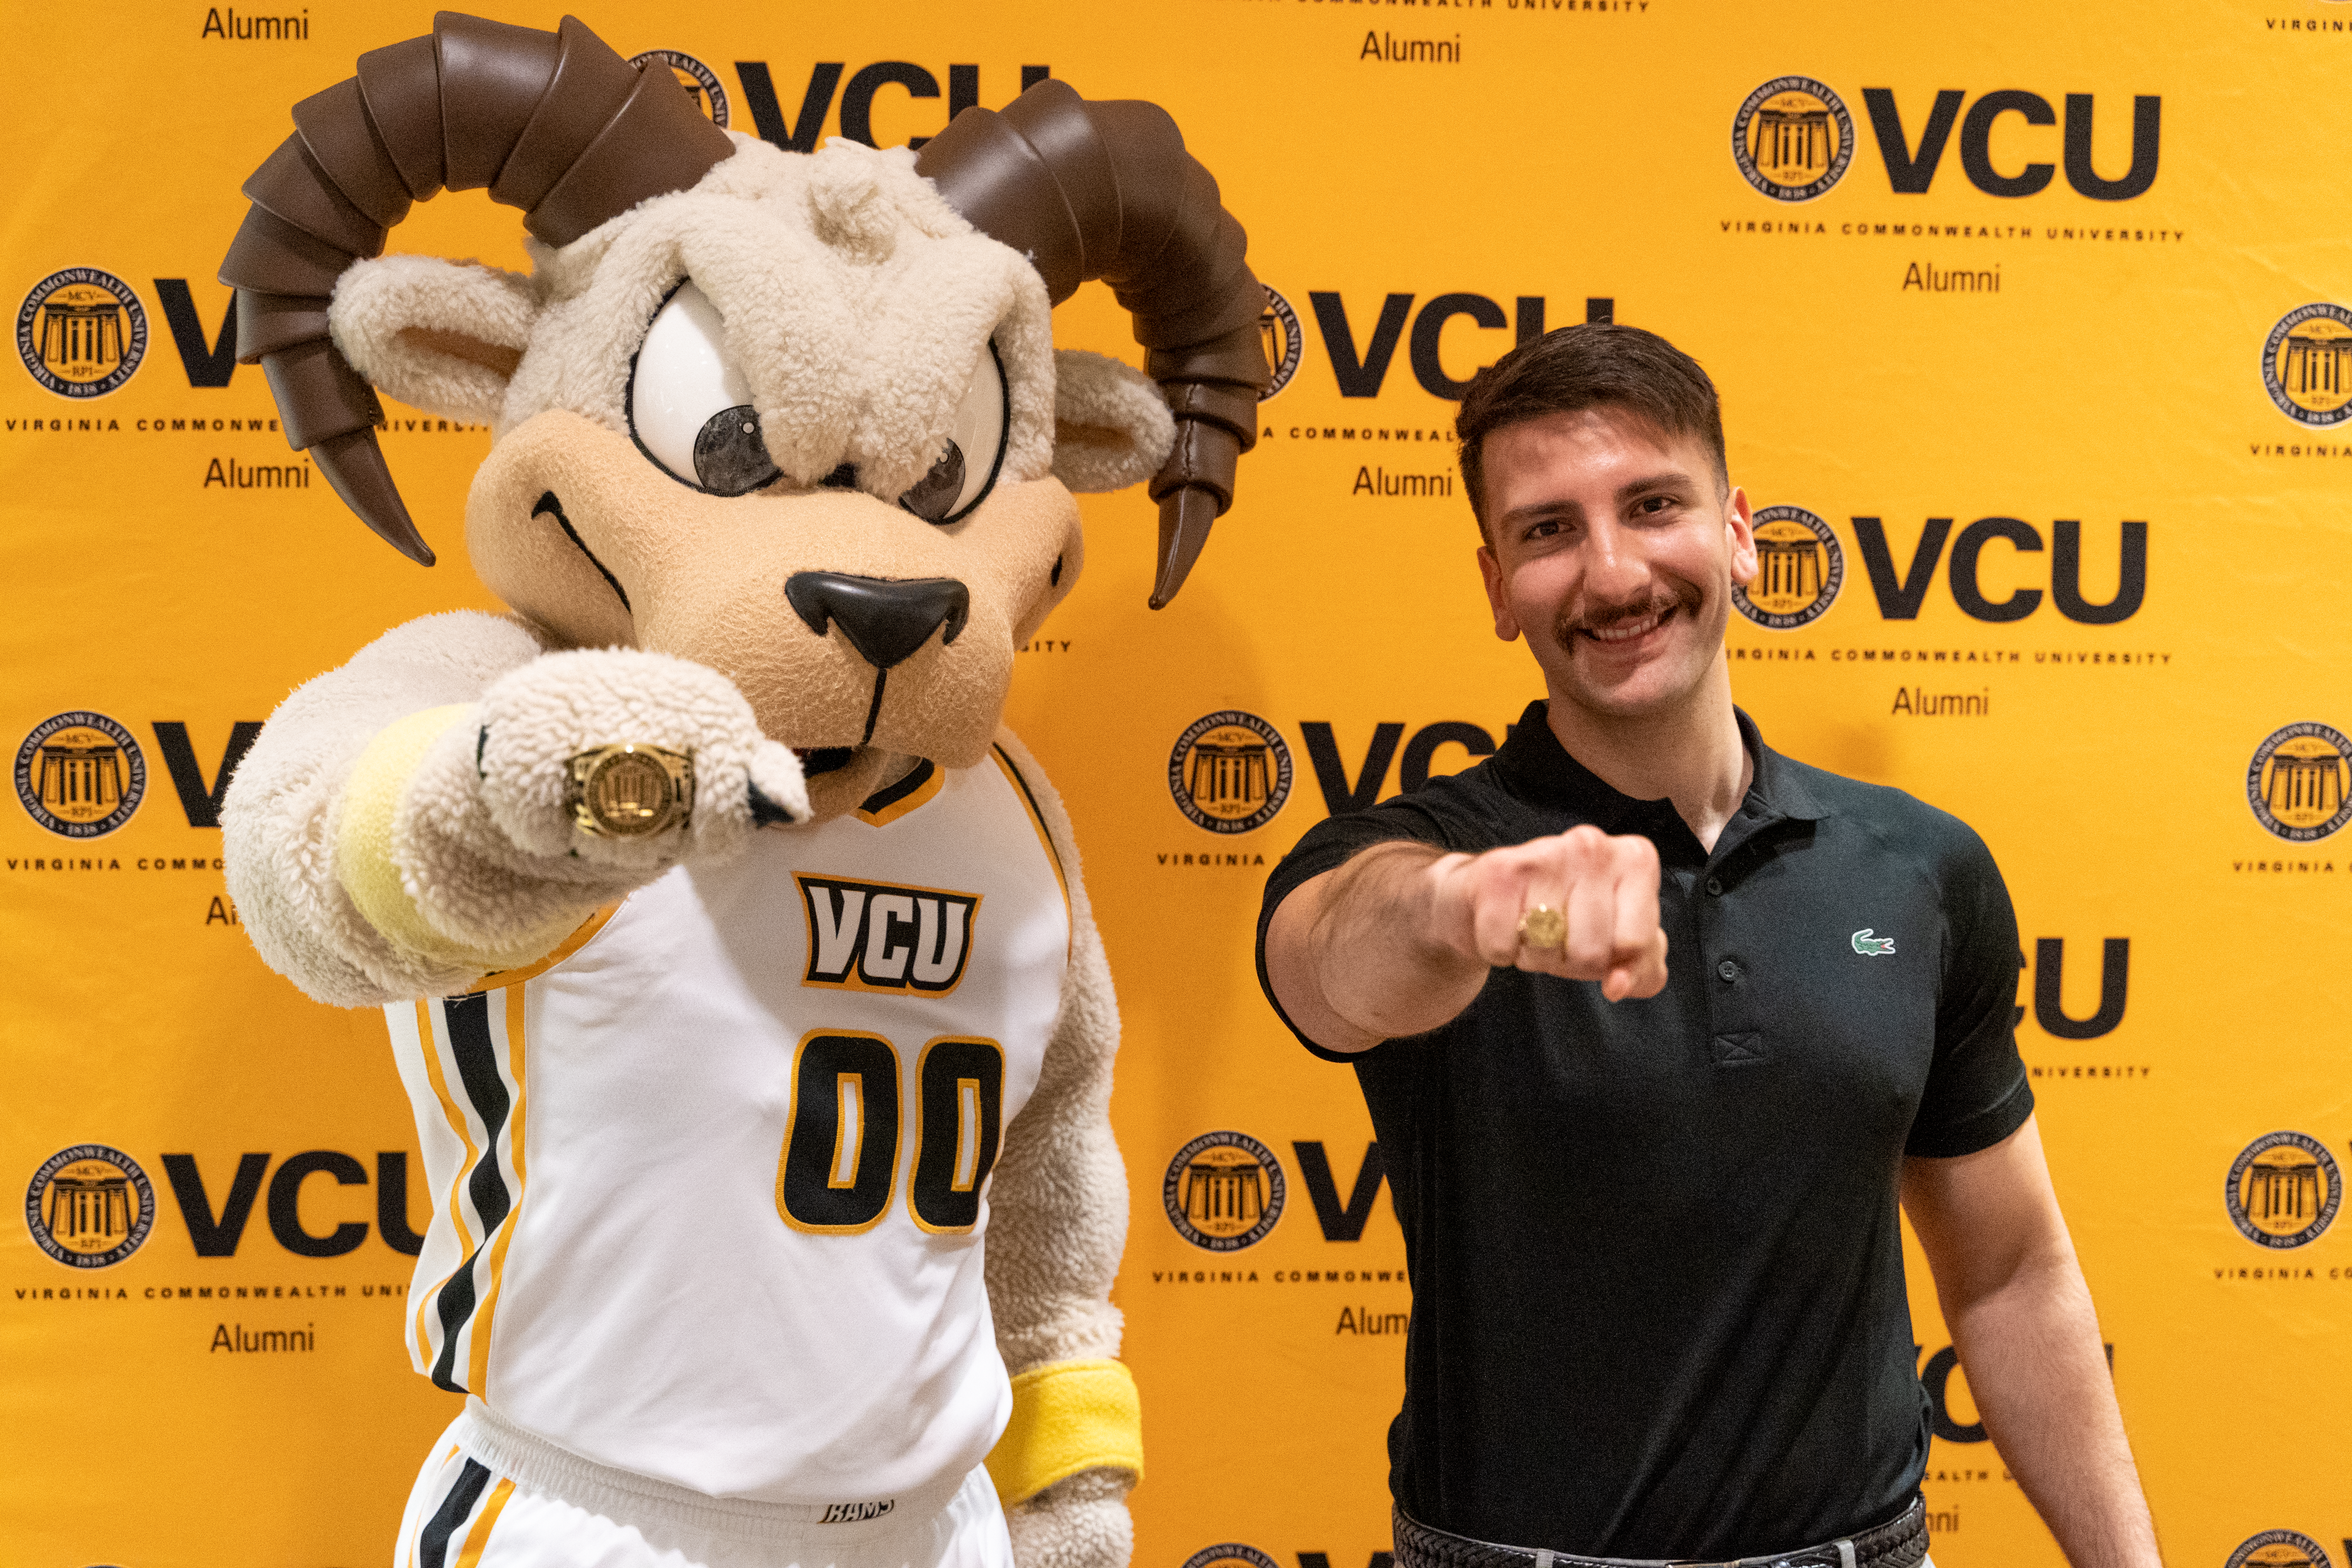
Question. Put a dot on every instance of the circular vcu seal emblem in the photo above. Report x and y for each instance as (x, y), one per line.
(81, 774)
(1230, 1555)
(1230, 772)
(698, 79)
(1792, 138)
(1799, 569)
(2283, 1189)
(1223, 1193)
(2278, 1549)
(2297, 782)
(81, 331)
(90, 1205)
(1278, 334)
(2307, 365)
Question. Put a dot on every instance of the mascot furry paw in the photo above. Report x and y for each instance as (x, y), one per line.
(737, 959)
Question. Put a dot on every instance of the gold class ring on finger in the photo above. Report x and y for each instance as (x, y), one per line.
(1543, 927)
(629, 791)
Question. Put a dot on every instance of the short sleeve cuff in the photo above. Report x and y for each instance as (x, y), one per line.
(1329, 846)
(1267, 985)
(1950, 1139)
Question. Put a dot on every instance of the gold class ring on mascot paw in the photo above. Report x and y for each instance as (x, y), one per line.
(629, 791)
(1543, 927)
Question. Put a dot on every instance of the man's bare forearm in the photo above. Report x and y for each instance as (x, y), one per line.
(1399, 939)
(2021, 1319)
(2041, 1384)
(1370, 954)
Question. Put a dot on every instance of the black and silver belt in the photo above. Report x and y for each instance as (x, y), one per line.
(1901, 1543)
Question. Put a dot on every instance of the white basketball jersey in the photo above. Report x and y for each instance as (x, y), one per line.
(709, 1183)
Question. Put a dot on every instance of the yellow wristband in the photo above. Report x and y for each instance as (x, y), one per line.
(1068, 1417)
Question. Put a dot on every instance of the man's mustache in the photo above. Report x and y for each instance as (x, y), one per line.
(1609, 618)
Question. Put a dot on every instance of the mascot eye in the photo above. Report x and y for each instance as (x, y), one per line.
(966, 471)
(689, 408)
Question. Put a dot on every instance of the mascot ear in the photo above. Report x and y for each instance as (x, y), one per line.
(1111, 424)
(443, 336)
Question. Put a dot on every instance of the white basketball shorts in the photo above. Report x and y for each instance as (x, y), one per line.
(492, 1497)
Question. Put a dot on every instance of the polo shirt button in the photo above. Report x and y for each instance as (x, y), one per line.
(1728, 969)
(1715, 886)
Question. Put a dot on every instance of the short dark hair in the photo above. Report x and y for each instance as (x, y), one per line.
(1590, 365)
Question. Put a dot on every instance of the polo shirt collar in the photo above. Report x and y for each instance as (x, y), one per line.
(1540, 768)
(1778, 789)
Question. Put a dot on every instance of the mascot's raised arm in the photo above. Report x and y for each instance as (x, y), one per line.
(715, 1118)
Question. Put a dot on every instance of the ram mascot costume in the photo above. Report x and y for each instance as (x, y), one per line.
(737, 959)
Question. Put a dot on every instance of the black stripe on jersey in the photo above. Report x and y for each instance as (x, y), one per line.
(477, 1070)
(883, 799)
(1043, 831)
(454, 1305)
(433, 1540)
(469, 1019)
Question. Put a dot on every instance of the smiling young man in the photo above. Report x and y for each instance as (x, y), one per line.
(1656, 1027)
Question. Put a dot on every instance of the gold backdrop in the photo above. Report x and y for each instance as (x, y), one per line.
(2030, 329)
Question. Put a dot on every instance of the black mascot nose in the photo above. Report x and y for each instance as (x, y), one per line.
(885, 621)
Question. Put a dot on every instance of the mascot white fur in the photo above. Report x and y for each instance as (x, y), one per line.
(737, 959)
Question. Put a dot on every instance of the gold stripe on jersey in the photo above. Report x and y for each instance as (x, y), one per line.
(920, 785)
(471, 1556)
(1037, 821)
(429, 1046)
(485, 1315)
(500, 979)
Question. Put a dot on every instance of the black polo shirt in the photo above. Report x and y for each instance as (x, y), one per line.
(1658, 1306)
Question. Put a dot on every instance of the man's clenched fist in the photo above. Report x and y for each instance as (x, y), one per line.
(1602, 890)
(1401, 938)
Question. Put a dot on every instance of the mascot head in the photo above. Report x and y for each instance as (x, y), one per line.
(797, 417)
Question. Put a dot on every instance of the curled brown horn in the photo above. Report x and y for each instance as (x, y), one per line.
(555, 123)
(1107, 191)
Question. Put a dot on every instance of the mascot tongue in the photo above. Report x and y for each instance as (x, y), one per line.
(817, 761)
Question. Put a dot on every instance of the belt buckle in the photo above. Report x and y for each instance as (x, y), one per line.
(1828, 1556)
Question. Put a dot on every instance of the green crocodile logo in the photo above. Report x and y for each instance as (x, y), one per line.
(1865, 943)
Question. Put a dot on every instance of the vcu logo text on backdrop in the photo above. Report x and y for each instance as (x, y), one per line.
(1901, 588)
(91, 1205)
(803, 133)
(1793, 139)
(1362, 371)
